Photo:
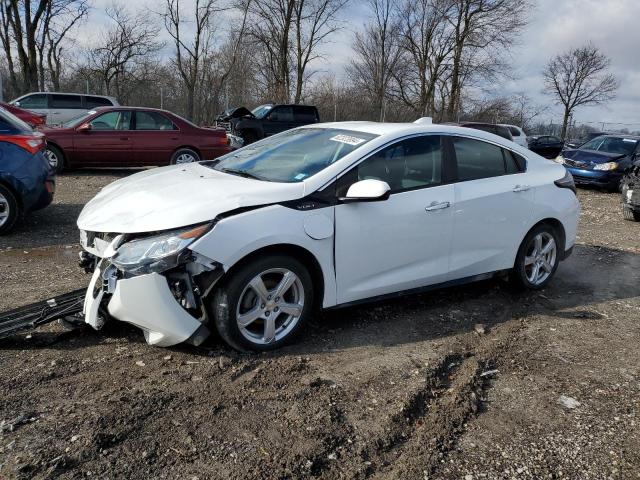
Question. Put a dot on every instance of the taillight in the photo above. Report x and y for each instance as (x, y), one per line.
(566, 182)
(31, 143)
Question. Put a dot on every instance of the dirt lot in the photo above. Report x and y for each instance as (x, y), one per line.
(407, 389)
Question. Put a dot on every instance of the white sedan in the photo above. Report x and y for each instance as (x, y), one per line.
(319, 217)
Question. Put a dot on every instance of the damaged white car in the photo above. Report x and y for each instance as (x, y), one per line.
(321, 216)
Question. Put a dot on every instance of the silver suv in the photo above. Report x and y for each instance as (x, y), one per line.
(62, 107)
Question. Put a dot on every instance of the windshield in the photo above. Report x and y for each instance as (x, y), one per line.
(294, 155)
(621, 145)
(261, 111)
(74, 122)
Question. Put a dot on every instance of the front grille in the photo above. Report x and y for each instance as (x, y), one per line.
(573, 163)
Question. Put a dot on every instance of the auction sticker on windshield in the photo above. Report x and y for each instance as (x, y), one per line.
(348, 139)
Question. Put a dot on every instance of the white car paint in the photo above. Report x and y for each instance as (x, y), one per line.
(518, 134)
(412, 239)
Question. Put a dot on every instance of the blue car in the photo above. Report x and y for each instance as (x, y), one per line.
(603, 161)
(26, 179)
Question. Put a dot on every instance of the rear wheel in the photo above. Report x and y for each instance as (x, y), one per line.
(9, 210)
(55, 157)
(537, 259)
(264, 304)
(629, 214)
(184, 155)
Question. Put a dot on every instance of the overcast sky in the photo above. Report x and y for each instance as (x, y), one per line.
(555, 26)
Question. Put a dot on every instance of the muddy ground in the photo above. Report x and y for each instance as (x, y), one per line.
(406, 389)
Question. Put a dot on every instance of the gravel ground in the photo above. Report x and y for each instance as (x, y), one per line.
(466, 383)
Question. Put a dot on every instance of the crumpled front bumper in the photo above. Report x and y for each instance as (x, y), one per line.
(146, 302)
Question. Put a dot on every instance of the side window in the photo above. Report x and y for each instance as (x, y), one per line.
(514, 163)
(118, 120)
(152, 121)
(66, 101)
(514, 131)
(554, 140)
(408, 164)
(94, 102)
(281, 114)
(304, 114)
(39, 100)
(477, 159)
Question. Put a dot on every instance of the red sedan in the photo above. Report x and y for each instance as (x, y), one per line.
(32, 118)
(131, 137)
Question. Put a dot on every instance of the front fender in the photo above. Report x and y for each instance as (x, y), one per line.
(238, 236)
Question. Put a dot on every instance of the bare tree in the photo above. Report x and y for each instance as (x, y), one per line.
(579, 77)
(130, 41)
(377, 53)
(7, 41)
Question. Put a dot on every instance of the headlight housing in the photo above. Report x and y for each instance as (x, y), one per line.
(158, 252)
(606, 166)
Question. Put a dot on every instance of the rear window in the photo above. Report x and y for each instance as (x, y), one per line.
(66, 101)
(305, 114)
(514, 131)
(9, 123)
(94, 102)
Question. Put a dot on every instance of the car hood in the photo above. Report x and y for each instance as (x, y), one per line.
(177, 196)
(591, 157)
(236, 112)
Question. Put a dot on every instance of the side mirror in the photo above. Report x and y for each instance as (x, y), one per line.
(84, 128)
(367, 191)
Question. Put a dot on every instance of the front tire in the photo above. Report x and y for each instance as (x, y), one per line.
(55, 158)
(9, 210)
(264, 304)
(184, 155)
(538, 258)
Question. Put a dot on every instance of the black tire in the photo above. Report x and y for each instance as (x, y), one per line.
(184, 152)
(519, 277)
(8, 204)
(57, 165)
(225, 303)
(629, 214)
(249, 136)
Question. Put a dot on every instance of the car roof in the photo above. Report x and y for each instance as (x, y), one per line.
(69, 93)
(125, 107)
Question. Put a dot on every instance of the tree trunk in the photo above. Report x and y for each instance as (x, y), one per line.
(190, 103)
(565, 122)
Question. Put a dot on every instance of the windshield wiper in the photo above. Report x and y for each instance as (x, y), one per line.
(241, 173)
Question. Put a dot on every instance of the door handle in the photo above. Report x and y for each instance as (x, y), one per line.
(437, 206)
(521, 188)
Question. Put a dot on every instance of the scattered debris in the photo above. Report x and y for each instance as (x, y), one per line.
(15, 423)
(568, 402)
(140, 363)
(479, 328)
(489, 372)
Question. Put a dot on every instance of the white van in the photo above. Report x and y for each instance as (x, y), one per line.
(518, 134)
(62, 107)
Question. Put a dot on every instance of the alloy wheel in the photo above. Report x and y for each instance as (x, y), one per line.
(53, 159)
(270, 306)
(185, 158)
(540, 258)
(4, 210)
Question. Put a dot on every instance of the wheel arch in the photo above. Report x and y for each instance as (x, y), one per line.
(65, 157)
(301, 254)
(188, 147)
(559, 229)
(14, 190)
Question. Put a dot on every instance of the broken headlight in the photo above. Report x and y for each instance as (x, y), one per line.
(157, 253)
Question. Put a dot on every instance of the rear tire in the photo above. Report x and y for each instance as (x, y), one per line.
(264, 304)
(537, 260)
(629, 214)
(9, 210)
(55, 157)
(184, 155)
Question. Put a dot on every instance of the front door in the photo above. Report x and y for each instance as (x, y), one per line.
(402, 242)
(107, 143)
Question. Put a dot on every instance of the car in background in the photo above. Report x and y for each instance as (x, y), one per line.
(245, 127)
(26, 179)
(131, 137)
(576, 143)
(34, 119)
(62, 107)
(499, 130)
(548, 146)
(518, 134)
(603, 161)
(321, 216)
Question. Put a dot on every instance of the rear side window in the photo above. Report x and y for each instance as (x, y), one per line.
(514, 131)
(477, 159)
(305, 114)
(281, 114)
(153, 121)
(94, 102)
(66, 101)
(38, 100)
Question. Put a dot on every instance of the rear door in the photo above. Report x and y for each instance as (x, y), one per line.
(402, 242)
(107, 143)
(278, 120)
(493, 207)
(154, 138)
(63, 107)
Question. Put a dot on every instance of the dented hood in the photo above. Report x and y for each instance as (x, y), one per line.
(176, 196)
(235, 112)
